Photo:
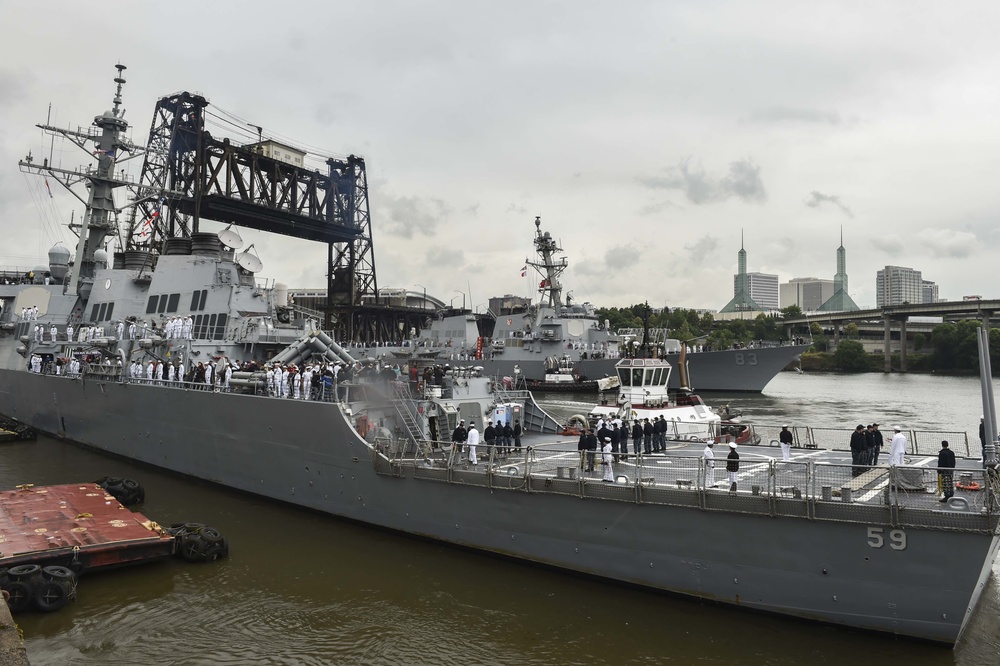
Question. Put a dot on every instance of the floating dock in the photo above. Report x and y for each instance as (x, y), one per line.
(79, 526)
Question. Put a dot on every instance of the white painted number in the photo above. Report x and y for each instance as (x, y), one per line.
(897, 538)
(746, 359)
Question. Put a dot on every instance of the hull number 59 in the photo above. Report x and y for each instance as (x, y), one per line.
(877, 537)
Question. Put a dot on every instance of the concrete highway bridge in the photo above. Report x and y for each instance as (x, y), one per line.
(886, 317)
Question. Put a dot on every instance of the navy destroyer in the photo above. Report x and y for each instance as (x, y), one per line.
(535, 344)
(85, 355)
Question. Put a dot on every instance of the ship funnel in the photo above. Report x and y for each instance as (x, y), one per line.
(58, 261)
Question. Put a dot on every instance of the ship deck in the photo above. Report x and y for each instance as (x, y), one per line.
(813, 484)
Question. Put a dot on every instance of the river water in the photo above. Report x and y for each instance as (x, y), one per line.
(302, 588)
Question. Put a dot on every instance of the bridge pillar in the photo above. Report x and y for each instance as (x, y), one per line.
(887, 345)
(902, 345)
(836, 333)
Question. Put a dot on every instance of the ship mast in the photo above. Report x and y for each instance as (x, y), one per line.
(549, 268)
(100, 218)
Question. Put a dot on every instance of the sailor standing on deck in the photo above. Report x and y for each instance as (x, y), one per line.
(54, 332)
(709, 455)
(785, 437)
(459, 436)
(732, 466)
(606, 460)
(897, 447)
(473, 442)
(121, 330)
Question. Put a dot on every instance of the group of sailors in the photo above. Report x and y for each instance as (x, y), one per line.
(29, 313)
(500, 438)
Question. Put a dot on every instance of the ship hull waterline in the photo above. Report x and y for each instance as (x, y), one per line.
(308, 454)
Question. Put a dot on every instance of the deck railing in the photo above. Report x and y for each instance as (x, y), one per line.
(898, 497)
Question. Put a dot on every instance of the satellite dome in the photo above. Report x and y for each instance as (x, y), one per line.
(58, 261)
(101, 257)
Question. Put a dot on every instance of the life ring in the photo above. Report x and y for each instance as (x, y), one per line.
(971, 485)
(364, 425)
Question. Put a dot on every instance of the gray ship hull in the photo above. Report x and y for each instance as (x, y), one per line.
(735, 370)
(308, 454)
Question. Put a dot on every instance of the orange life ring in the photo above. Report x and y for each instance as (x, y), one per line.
(364, 424)
(971, 485)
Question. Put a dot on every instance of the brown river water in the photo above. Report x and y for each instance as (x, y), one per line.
(303, 588)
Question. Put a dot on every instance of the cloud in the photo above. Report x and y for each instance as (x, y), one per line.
(658, 207)
(889, 243)
(445, 256)
(783, 114)
(621, 255)
(402, 216)
(742, 181)
(948, 242)
(702, 249)
(816, 198)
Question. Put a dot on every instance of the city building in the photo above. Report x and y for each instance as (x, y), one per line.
(741, 301)
(808, 293)
(763, 289)
(896, 285)
(930, 292)
(840, 301)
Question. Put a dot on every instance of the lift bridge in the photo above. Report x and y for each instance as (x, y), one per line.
(189, 176)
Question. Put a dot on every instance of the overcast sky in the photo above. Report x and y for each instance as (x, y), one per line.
(647, 135)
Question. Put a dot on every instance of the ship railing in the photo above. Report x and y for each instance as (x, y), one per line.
(894, 497)
(919, 442)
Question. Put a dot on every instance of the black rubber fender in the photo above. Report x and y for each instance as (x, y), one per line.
(23, 572)
(22, 593)
(51, 595)
(58, 573)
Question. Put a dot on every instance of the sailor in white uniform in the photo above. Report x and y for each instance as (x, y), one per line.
(209, 370)
(897, 447)
(472, 442)
(709, 455)
(606, 459)
(121, 330)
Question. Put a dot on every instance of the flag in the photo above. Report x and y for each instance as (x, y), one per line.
(109, 153)
(524, 270)
(543, 284)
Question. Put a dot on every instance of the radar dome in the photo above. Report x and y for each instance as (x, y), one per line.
(280, 294)
(58, 261)
(101, 258)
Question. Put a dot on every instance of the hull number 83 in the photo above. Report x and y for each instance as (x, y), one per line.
(879, 536)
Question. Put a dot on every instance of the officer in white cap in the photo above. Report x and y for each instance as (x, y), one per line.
(897, 447)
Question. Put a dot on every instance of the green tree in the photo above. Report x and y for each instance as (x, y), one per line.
(791, 312)
(851, 357)
(851, 330)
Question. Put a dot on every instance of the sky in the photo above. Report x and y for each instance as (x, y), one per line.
(649, 136)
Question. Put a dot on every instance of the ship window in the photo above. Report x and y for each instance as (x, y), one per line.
(210, 333)
(197, 327)
(666, 376)
(195, 297)
(151, 306)
(649, 376)
(204, 297)
(111, 309)
(656, 376)
(623, 376)
(93, 313)
(162, 307)
(100, 313)
(637, 377)
(172, 302)
(220, 327)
